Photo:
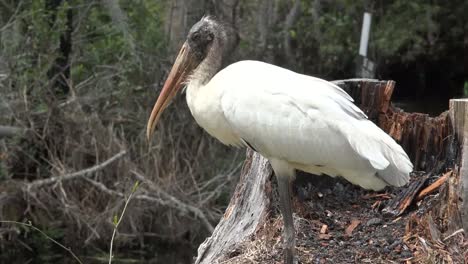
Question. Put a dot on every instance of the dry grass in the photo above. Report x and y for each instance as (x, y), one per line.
(185, 176)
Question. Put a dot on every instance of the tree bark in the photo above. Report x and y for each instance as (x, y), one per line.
(458, 115)
(246, 211)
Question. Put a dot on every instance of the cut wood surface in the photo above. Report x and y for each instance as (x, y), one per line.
(431, 143)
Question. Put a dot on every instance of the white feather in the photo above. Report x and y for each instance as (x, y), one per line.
(308, 122)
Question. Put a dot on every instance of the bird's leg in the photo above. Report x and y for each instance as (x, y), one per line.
(284, 189)
(285, 175)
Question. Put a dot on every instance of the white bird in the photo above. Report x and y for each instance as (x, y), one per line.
(297, 122)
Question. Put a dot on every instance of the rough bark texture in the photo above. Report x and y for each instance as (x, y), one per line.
(458, 114)
(246, 211)
(426, 139)
(431, 143)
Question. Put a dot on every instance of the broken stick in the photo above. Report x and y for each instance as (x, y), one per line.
(434, 186)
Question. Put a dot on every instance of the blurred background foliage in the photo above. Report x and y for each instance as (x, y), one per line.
(79, 78)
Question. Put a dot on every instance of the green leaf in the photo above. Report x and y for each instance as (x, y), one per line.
(135, 186)
(115, 221)
(292, 33)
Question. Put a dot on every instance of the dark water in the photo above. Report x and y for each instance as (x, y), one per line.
(432, 106)
(174, 255)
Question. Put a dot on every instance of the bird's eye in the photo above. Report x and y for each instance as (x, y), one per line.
(210, 37)
(195, 36)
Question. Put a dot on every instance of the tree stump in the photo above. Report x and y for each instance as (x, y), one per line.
(336, 221)
(459, 116)
(246, 211)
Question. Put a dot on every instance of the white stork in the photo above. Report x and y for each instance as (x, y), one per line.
(297, 122)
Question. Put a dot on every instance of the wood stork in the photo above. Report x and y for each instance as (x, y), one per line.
(296, 121)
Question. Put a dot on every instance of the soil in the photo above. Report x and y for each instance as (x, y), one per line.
(336, 222)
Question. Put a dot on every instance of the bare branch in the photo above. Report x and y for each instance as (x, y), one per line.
(82, 173)
(9, 131)
(168, 200)
(176, 203)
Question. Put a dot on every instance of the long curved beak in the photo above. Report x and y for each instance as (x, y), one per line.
(183, 66)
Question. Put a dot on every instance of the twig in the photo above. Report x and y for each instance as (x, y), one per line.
(223, 175)
(151, 199)
(85, 172)
(461, 230)
(29, 224)
(176, 203)
(143, 197)
(434, 186)
(117, 221)
(400, 203)
(168, 200)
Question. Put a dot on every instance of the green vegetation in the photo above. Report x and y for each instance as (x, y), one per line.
(83, 75)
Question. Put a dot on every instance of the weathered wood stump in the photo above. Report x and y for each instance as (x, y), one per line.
(246, 211)
(429, 231)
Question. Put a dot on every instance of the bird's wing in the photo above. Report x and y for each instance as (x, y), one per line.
(306, 120)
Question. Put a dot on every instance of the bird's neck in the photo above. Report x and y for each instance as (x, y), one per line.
(223, 46)
(208, 67)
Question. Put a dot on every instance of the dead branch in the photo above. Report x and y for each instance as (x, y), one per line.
(401, 202)
(461, 230)
(143, 197)
(171, 202)
(10, 131)
(104, 188)
(82, 173)
(434, 186)
(176, 203)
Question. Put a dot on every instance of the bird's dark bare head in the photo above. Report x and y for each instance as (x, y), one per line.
(210, 32)
(209, 43)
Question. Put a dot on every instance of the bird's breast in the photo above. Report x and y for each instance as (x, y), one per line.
(204, 102)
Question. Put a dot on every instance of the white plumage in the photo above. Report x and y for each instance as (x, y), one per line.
(296, 121)
(309, 123)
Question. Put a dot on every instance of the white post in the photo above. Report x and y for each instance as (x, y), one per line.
(365, 67)
(365, 31)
